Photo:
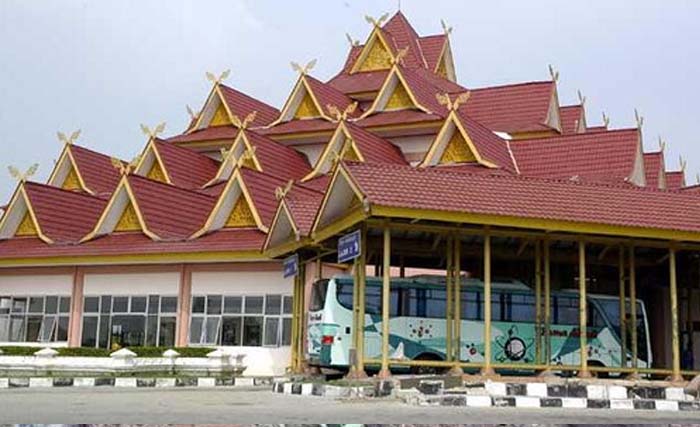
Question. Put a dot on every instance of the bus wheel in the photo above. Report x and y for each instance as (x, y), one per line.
(427, 370)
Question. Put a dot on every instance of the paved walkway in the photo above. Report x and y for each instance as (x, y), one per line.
(215, 406)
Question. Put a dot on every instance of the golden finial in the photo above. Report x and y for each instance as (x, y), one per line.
(22, 177)
(639, 119)
(281, 192)
(123, 168)
(606, 120)
(400, 55)
(193, 115)
(243, 124)
(217, 80)
(341, 116)
(662, 144)
(224, 152)
(682, 163)
(153, 133)
(70, 139)
(305, 69)
(553, 73)
(447, 30)
(352, 41)
(444, 99)
(581, 98)
(376, 22)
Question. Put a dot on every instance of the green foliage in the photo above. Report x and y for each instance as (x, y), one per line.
(19, 351)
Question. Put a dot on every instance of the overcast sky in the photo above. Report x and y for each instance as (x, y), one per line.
(105, 67)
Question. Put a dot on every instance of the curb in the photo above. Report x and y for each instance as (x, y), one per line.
(131, 382)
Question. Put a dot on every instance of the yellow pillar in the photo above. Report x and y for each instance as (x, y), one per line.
(623, 308)
(295, 325)
(386, 300)
(582, 310)
(487, 369)
(354, 345)
(538, 302)
(633, 309)
(457, 282)
(547, 304)
(449, 301)
(361, 285)
(301, 317)
(673, 289)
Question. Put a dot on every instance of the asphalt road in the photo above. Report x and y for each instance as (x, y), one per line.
(217, 406)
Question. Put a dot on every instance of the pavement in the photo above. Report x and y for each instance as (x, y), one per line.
(256, 405)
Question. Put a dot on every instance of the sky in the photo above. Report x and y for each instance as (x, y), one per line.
(105, 67)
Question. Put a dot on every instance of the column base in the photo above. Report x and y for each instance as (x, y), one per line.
(634, 376)
(546, 373)
(488, 372)
(584, 373)
(455, 371)
(675, 378)
(384, 374)
(356, 374)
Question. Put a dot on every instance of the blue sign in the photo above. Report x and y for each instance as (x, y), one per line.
(290, 266)
(349, 247)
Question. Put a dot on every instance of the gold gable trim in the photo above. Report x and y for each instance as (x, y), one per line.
(400, 99)
(378, 58)
(307, 108)
(72, 182)
(220, 117)
(241, 214)
(457, 150)
(129, 221)
(26, 226)
(156, 173)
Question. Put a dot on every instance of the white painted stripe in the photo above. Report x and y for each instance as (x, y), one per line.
(40, 382)
(573, 402)
(495, 389)
(244, 381)
(83, 382)
(675, 393)
(4, 383)
(206, 382)
(621, 404)
(537, 389)
(125, 382)
(527, 402)
(307, 389)
(479, 401)
(596, 392)
(617, 392)
(287, 388)
(666, 405)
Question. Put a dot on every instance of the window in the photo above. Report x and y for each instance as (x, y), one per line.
(128, 321)
(521, 308)
(34, 318)
(250, 320)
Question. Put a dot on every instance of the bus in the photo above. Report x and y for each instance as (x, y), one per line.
(417, 324)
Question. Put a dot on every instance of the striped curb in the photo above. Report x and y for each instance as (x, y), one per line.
(131, 382)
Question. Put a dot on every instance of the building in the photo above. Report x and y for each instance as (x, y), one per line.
(182, 246)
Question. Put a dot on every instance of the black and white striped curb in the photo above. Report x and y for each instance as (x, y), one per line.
(498, 394)
(131, 382)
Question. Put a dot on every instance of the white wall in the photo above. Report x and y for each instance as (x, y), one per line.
(263, 361)
(132, 284)
(36, 285)
(241, 283)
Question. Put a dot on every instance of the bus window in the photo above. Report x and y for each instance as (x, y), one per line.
(522, 308)
(318, 295)
(496, 305)
(567, 310)
(471, 308)
(436, 306)
(373, 298)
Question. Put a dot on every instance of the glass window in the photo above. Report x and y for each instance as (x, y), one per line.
(252, 331)
(168, 305)
(436, 305)
(254, 305)
(4, 328)
(92, 305)
(104, 331)
(51, 305)
(64, 305)
(196, 326)
(287, 305)
(89, 331)
(48, 329)
(5, 304)
(120, 305)
(214, 304)
(567, 311)
(19, 305)
(166, 334)
(522, 308)
(128, 331)
(106, 304)
(36, 304)
(271, 331)
(471, 310)
(33, 329)
(17, 328)
(273, 304)
(231, 331)
(318, 295)
(62, 334)
(153, 302)
(286, 331)
(138, 304)
(198, 304)
(152, 330)
(233, 305)
(211, 335)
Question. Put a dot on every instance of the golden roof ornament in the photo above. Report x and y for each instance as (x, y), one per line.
(377, 22)
(341, 116)
(218, 79)
(639, 119)
(400, 55)
(243, 124)
(445, 29)
(193, 115)
(247, 155)
(606, 120)
(305, 69)
(68, 140)
(444, 99)
(22, 177)
(554, 74)
(153, 133)
(353, 42)
(581, 98)
(281, 192)
(662, 144)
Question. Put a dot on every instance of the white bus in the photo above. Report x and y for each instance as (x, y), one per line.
(417, 324)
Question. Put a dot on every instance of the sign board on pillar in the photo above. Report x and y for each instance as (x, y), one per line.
(290, 266)
(349, 247)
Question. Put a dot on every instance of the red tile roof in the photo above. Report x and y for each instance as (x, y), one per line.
(298, 126)
(571, 117)
(186, 168)
(432, 48)
(214, 133)
(607, 156)
(597, 129)
(369, 81)
(403, 35)
(511, 108)
(277, 159)
(490, 146)
(303, 203)
(404, 117)
(424, 90)
(96, 170)
(170, 212)
(63, 216)
(241, 105)
(517, 196)
(675, 180)
(653, 168)
(261, 187)
(224, 241)
(373, 148)
(327, 95)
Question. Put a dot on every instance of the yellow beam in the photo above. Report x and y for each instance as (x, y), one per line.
(154, 258)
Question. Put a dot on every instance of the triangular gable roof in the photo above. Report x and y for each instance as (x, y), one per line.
(376, 54)
(404, 35)
(54, 215)
(224, 102)
(654, 169)
(294, 216)
(413, 92)
(265, 155)
(463, 140)
(163, 212)
(82, 169)
(675, 180)
(310, 99)
(523, 107)
(357, 144)
(573, 119)
(606, 156)
(251, 191)
(172, 164)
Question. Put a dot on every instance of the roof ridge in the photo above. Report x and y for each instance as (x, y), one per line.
(169, 186)
(530, 83)
(574, 135)
(54, 188)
